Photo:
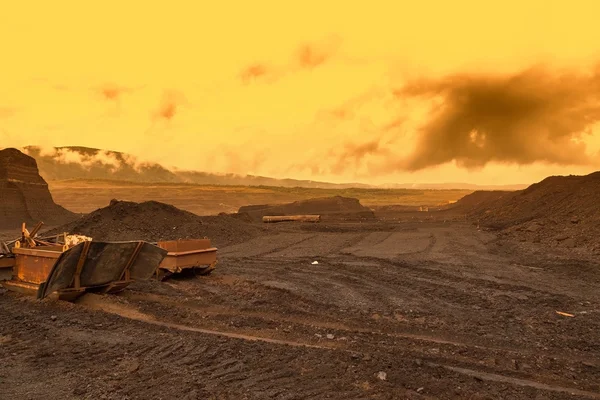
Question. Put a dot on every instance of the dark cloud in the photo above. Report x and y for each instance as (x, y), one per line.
(535, 115)
(531, 116)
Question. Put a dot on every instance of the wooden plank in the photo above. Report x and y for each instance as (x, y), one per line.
(36, 229)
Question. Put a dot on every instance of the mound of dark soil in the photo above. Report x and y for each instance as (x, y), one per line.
(24, 194)
(153, 221)
(330, 208)
(562, 210)
(480, 202)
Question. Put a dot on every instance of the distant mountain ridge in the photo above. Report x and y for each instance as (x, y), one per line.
(84, 163)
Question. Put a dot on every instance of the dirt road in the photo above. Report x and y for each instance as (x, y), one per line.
(392, 310)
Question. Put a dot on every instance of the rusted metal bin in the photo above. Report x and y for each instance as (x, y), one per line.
(105, 267)
(191, 254)
(31, 267)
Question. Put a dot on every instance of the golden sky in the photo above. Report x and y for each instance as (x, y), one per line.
(384, 91)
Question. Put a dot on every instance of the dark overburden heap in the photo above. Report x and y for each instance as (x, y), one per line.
(154, 221)
(478, 203)
(24, 194)
(560, 210)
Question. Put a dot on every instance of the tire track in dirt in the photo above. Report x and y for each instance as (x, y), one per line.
(446, 318)
(518, 382)
(439, 292)
(349, 330)
(444, 288)
(233, 367)
(266, 244)
(100, 303)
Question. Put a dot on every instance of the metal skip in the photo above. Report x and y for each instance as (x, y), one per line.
(197, 255)
(105, 267)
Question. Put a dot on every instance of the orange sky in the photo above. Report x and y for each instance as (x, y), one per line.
(307, 91)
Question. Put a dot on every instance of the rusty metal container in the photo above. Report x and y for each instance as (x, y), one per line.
(31, 267)
(193, 254)
(105, 267)
(34, 264)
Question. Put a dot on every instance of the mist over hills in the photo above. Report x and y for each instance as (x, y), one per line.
(84, 163)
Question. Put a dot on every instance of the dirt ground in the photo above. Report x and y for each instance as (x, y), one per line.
(397, 309)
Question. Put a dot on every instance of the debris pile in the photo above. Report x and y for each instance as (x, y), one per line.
(329, 208)
(74, 240)
(560, 210)
(24, 194)
(154, 221)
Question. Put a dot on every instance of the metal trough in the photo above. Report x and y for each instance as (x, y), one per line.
(195, 254)
(105, 267)
(101, 267)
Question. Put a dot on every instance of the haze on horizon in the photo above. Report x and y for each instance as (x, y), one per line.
(430, 92)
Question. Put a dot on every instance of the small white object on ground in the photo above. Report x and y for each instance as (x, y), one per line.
(382, 375)
(315, 262)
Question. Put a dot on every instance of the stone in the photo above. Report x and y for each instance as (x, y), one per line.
(534, 227)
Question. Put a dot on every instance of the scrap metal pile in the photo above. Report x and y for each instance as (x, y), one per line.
(70, 265)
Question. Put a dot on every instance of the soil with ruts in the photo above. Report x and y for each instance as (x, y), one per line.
(397, 309)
